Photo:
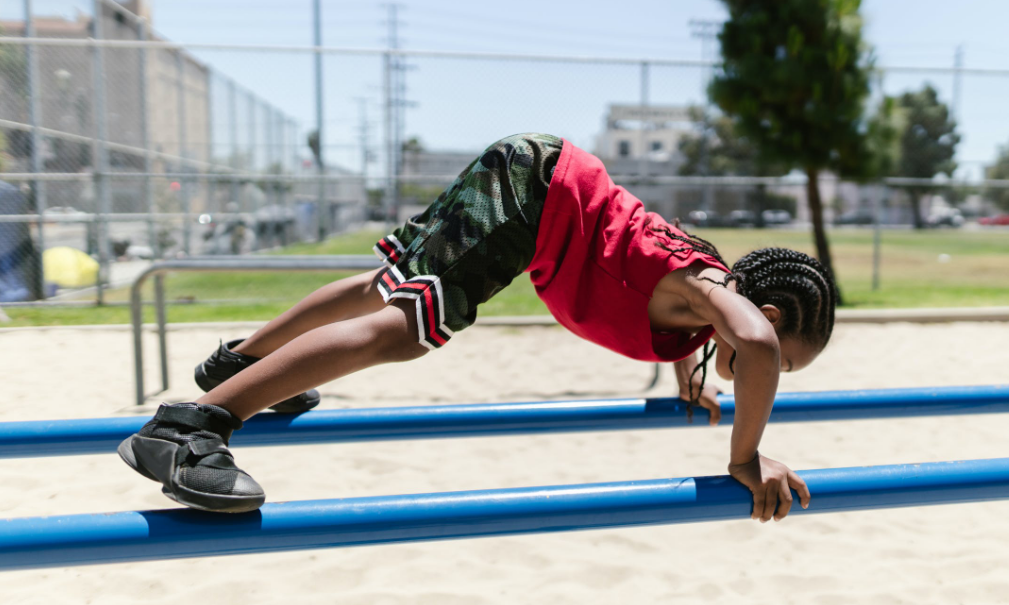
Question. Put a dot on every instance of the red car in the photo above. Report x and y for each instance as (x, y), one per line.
(1001, 219)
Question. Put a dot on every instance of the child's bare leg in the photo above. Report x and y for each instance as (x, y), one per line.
(343, 299)
(321, 355)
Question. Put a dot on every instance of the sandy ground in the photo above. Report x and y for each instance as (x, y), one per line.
(947, 554)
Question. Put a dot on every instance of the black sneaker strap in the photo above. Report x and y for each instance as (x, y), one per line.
(211, 453)
(205, 447)
(197, 419)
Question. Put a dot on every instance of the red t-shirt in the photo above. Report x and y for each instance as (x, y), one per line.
(597, 264)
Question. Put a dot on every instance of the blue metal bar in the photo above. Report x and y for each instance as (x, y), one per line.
(102, 435)
(58, 541)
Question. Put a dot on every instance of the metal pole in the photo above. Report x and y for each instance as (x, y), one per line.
(210, 184)
(390, 65)
(137, 322)
(162, 317)
(876, 235)
(32, 542)
(254, 206)
(180, 87)
(233, 135)
(145, 137)
(387, 116)
(270, 190)
(957, 76)
(35, 119)
(102, 185)
(323, 212)
(645, 123)
(101, 435)
(251, 99)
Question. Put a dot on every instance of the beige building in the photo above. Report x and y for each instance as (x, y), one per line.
(66, 90)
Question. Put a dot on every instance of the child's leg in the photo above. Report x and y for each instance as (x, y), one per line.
(343, 299)
(321, 355)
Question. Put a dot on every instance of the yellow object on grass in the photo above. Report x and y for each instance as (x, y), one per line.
(69, 267)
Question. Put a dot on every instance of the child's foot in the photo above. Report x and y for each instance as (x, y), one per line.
(225, 363)
(185, 447)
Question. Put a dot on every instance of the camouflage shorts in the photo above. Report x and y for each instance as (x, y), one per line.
(474, 239)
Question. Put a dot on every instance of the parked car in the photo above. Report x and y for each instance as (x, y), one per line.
(701, 218)
(999, 219)
(742, 218)
(945, 217)
(855, 217)
(53, 213)
(776, 217)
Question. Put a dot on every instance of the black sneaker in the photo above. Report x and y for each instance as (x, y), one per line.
(225, 363)
(185, 447)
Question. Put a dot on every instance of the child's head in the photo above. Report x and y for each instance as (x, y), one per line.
(796, 293)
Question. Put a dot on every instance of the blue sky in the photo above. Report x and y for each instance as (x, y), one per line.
(461, 104)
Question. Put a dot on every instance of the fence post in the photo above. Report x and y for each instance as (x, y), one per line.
(876, 190)
(210, 182)
(145, 136)
(101, 160)
(323, 226)
(257, 243)
(35, 119)
(643, 138)
(180, 86)
(233, 135)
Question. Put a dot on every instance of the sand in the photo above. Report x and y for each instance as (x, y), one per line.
(945, 554)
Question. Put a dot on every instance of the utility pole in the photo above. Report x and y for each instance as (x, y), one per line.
(324, 226)
(707, 32)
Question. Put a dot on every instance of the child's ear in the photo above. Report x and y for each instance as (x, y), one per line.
(772, 313)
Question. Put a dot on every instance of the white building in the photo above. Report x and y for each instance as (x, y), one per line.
(633, 132)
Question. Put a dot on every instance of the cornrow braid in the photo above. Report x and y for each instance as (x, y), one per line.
(797, 284)
(697, 244)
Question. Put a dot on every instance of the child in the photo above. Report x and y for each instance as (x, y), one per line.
(608, 271)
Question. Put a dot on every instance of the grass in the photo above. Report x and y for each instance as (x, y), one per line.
(912, 275)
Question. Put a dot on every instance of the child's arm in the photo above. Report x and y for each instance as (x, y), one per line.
(757, 365)
(684, 368)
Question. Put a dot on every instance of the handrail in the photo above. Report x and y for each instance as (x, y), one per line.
(343, 262)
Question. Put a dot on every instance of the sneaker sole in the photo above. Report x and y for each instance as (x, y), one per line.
(215, 503)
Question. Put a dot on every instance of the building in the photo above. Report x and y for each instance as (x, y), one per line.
(177, 110)
(642, 142)
(633, 132)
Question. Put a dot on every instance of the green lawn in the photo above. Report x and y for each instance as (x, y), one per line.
(912, 275)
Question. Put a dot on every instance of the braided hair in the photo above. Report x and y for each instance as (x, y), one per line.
(796, 283)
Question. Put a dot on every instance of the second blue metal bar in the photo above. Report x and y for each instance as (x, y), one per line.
(102, 435)
(171, 534)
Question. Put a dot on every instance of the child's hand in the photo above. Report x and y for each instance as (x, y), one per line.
(769, 481)
(708, 400)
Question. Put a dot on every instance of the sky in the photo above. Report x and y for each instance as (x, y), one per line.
(464, 104)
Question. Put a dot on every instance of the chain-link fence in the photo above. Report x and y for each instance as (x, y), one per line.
(119, 147)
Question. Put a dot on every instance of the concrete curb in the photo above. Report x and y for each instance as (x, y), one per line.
(947, 315)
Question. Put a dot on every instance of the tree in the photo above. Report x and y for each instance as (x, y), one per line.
(795, 76)
(999, 171)
(928, 141)
(718, 150)
(313, 144)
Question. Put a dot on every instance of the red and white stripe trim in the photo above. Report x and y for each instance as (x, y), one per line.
(426, 291)
(389, 249)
